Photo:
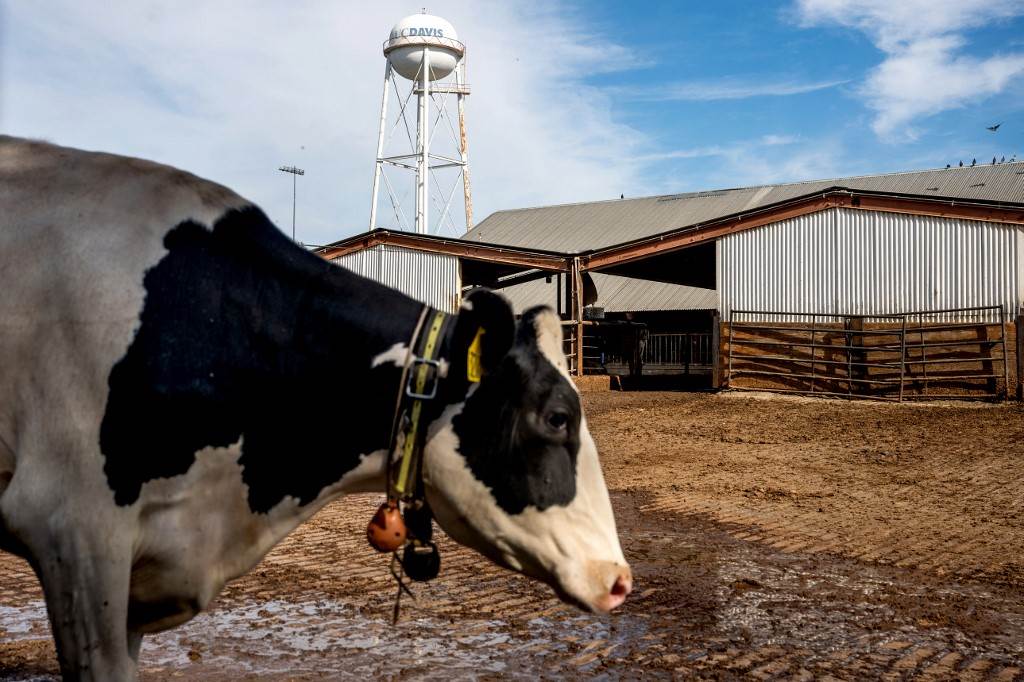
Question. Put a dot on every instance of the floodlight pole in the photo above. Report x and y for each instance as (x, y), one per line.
(295, 173)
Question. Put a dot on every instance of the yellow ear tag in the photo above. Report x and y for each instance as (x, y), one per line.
(474, 371)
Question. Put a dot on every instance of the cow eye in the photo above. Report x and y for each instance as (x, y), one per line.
(557, 420)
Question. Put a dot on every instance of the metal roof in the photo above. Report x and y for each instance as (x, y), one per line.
(573, 228)
(618, 294)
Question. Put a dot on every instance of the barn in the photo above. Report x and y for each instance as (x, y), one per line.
(890, 286)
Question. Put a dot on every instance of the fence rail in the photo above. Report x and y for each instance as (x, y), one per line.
(907, 356)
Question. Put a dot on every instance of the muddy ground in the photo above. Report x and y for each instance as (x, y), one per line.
(769, 537)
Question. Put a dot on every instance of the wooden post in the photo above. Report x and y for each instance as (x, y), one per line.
(687, 353)
(565, 313)
(567, 310)
(1019, 329)
(577, 313)
(558, 295)
(716, 351)
(857, 339)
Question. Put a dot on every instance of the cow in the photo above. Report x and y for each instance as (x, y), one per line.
(181, 386)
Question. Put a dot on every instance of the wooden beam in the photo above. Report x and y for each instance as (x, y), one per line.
(486, 253)
(521, 278)
(332, 252)
(939, 208)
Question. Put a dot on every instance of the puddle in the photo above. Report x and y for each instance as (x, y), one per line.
(20, 623)
(334, 639)
(330, 638)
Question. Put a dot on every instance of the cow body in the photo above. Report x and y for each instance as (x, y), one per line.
(182, 386)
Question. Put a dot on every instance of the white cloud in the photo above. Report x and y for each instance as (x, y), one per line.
(734, 150)
(232, 90)
(777, 140)
(813, 160)
(925, 71)
(766, 160)
(723, 89)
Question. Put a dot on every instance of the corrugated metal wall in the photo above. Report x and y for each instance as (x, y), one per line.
(429, 277)
(847, 261)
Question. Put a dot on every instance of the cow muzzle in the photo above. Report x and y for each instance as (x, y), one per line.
(600, 587)
(620, 589)
(615, 581)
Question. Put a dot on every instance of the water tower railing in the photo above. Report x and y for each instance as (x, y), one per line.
(425, 41)
(445, 88)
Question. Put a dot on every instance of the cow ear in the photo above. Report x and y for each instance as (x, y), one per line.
(483, 334)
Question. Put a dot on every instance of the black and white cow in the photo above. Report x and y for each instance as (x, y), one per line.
(181, 386)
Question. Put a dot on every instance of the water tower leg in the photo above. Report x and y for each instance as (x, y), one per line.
(467, 192)
(377, 167)
(423, 146)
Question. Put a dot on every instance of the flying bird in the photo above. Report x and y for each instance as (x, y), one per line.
(993, 128)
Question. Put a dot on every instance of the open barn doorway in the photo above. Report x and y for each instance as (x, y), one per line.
(654, 321)
(656, 349)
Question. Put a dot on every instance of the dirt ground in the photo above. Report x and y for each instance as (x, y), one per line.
(770, 537)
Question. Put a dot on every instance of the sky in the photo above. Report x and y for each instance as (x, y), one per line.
(570, 101)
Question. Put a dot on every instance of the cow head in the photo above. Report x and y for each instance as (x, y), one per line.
(510, 468)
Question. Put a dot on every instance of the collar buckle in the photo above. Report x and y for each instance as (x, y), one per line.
(424, 377)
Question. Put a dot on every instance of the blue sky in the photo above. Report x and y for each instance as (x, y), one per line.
(571, 101)
(748, 92)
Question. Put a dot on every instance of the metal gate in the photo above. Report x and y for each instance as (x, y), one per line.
(905, 356)
(658, 353)
(682, 352)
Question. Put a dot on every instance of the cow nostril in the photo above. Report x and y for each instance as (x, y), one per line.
(622, 587)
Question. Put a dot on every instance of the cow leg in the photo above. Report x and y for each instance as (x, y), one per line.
(86, 579)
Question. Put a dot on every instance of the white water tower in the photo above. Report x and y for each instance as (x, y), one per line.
(424, 50)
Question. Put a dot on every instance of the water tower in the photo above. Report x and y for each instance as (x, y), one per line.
(425, 51)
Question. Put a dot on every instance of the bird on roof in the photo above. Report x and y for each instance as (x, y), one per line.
(974, 162)
(961, 164)
(993, 128)
(622, 196)
(947, 165)
(1002, 159)
(993, 160)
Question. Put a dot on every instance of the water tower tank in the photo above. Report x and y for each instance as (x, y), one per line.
(404, 49)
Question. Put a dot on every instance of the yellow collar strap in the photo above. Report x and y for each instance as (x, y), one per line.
(422, 378)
